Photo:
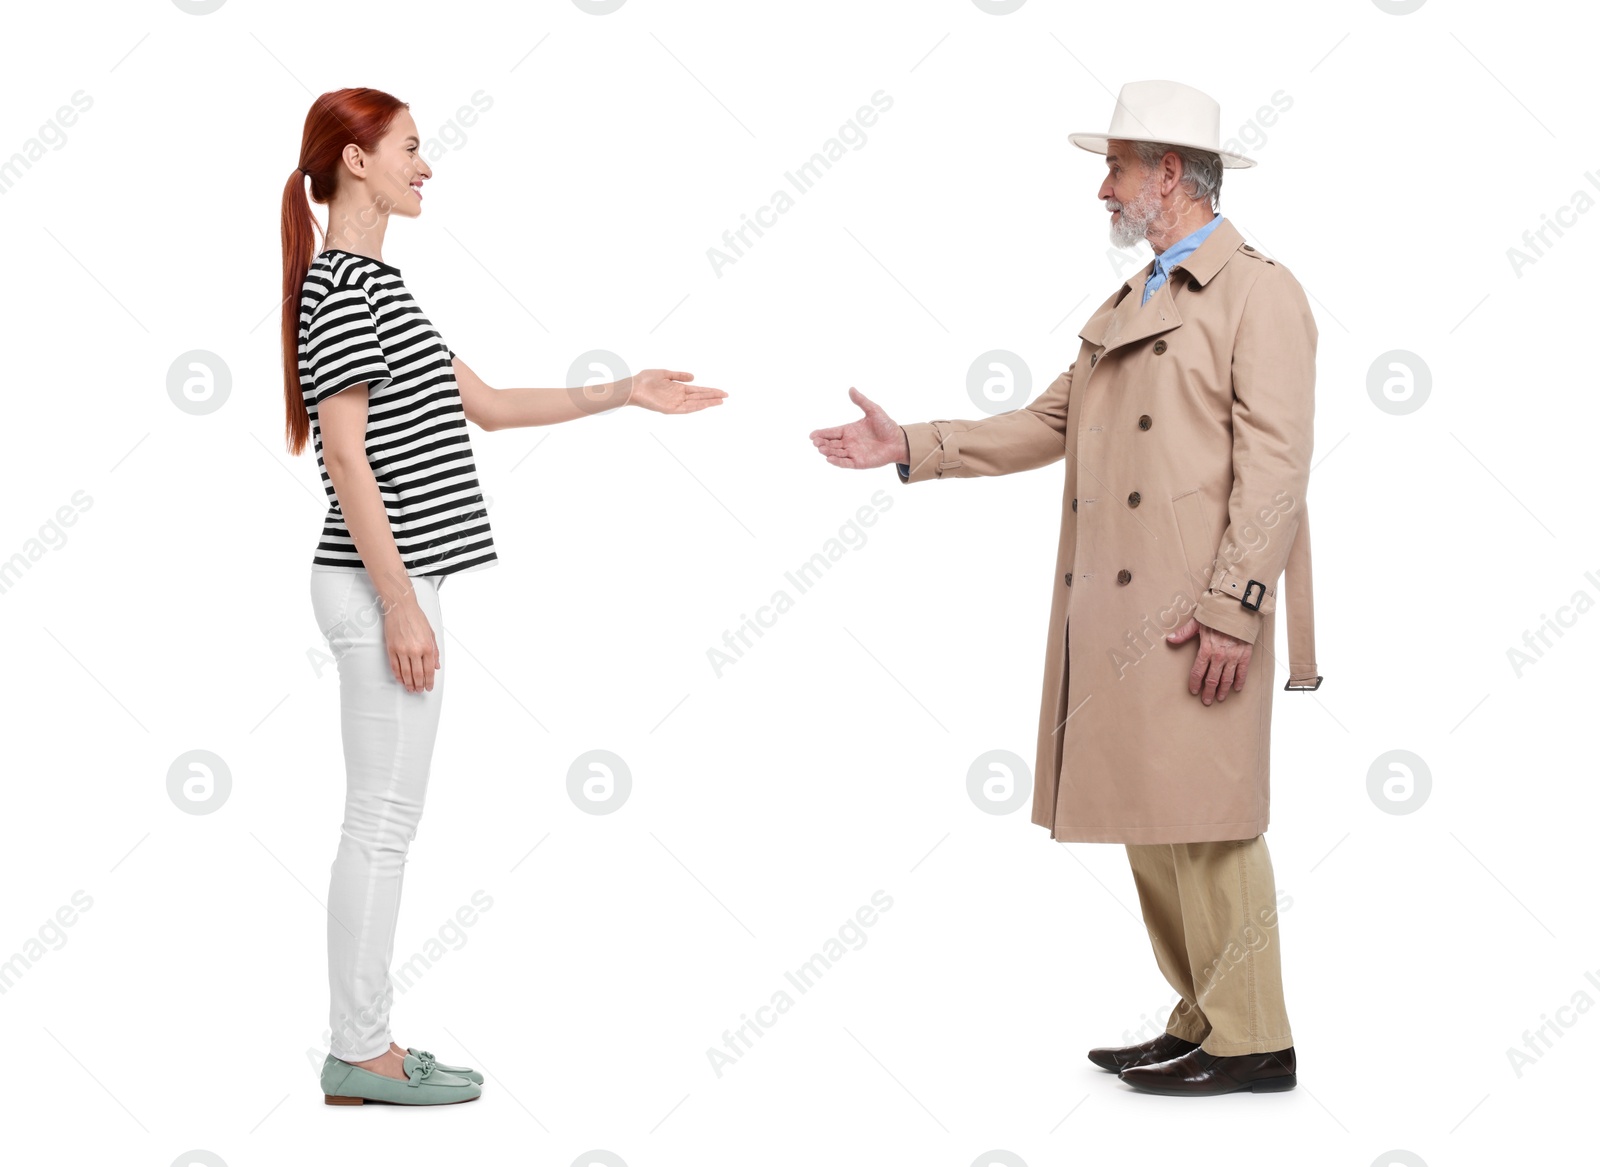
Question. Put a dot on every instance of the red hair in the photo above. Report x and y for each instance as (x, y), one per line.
(334, 121)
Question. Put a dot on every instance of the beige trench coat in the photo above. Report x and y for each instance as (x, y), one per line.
(1185, 425)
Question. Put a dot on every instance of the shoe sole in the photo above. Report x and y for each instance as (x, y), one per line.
(1261, 1086)
(1271, 1085)
(346, 1100)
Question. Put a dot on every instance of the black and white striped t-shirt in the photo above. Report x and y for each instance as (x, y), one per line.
(358, 323)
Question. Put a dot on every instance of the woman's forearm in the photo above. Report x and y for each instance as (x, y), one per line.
(514, 408)
(368, 522)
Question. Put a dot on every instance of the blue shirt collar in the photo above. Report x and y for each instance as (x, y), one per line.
(1183, 248)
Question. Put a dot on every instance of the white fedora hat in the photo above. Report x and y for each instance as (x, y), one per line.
(1167, 112)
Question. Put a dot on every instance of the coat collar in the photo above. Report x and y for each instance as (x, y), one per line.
(1215, 250)
(1123, 319)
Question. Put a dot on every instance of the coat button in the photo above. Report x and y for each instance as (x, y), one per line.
(1069, 579)
(1161, 347)
(1094, 359)
(1144, 421)
(1074, 504)
(1124, 576)
(1247, 247)
(1133, 499)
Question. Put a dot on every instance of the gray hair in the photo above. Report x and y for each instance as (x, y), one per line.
(1202, 169)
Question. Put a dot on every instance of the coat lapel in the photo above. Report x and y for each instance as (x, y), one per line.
(1124, 320)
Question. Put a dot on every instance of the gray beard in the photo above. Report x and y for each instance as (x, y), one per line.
(1131, 227)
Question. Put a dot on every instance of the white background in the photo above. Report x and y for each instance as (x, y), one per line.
(186, 1007)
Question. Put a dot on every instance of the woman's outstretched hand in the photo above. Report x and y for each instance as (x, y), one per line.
(665, 391)
(874, 440)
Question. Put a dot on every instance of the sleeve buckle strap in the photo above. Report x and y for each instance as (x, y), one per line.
(1253, 594)
(1303, 675)
(949, 448)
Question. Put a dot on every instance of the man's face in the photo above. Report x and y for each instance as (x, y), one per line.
(1130, 193)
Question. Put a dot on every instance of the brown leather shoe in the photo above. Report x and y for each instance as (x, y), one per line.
(1158, 1049)
(1198, 1072)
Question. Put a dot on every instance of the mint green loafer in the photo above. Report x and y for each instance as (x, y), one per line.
(466, 1072)
(423, 1085)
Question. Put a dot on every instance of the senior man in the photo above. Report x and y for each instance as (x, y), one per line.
(1185, 424)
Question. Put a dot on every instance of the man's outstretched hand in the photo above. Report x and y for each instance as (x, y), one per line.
(1220, 665)
(874, 440)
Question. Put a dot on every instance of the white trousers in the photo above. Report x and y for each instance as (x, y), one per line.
(388, 744)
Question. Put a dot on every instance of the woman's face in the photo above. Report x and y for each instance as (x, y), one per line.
(395, 171)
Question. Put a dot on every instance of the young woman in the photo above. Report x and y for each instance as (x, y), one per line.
(386, 404)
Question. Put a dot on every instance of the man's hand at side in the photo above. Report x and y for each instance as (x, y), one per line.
(1220, 665)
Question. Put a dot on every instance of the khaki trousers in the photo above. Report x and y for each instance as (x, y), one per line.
(1212, 913)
